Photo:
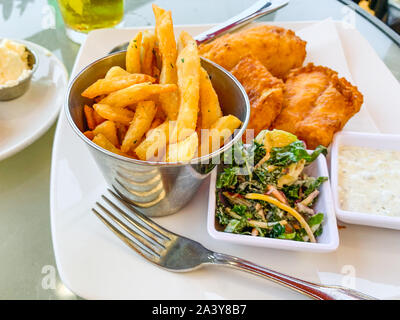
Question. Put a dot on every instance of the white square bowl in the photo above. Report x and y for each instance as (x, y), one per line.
(328, 241)
(369, 140)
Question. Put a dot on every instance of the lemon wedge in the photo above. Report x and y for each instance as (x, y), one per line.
(275, 138)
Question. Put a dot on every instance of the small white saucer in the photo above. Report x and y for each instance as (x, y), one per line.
(25, 119)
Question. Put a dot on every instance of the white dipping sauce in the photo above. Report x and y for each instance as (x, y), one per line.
(369, 180)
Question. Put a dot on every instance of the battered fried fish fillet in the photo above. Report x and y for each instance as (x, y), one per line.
(264, 90)
(278, 49)
(317, 104)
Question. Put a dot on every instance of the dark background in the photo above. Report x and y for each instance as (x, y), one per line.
(386, 10)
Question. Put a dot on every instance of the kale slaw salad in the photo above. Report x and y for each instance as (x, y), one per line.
(262, 189)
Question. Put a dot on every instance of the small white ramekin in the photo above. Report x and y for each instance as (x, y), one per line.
(369, 140)
(328, 241)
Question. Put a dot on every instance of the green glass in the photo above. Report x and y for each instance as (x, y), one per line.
(82, 16)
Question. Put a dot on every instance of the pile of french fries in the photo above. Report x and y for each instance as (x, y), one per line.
(163, 107)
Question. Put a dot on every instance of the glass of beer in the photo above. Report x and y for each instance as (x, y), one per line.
(82, 16)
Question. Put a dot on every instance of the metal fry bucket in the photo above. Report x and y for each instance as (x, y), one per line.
(155, 188)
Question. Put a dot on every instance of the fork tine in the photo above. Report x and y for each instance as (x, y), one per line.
(145, 231)
(146, 222)
(133, 233)
(125, 239)
(140, 247)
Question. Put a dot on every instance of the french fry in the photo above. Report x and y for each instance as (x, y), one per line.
(188, 68)
(156, 72)
(103, 142)
(210, 109)
(116, 72)
(157, 108)
(170, 104)
(167, 50)
(91, 122)
(219, 132)
(166, 45)
(184, 150)
(89, 134)
(156, 122)
(98, 118)
(159, 117)
(121, 115)
(157, 55)
(133, 155)
(99, 98)
(160, 113)
(155, 142)
(133, 54)
(136, 93)
(199, 131)
(184, 40)
(226, 122)
(106, 86)
(121, 131)
(147, 52)
(140, 124)
(109, 130)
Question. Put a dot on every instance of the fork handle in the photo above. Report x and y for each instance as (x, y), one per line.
(258, 9)
(313, 290)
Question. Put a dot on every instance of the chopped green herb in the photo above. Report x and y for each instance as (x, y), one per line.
(293, 153)
(239, 209)
(277, 230)
(313, 184)
(287, 236)
(316, 219)
(235, 226)
(227, 178)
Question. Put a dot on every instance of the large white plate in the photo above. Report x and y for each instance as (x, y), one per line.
(95, 264)
(26, 118)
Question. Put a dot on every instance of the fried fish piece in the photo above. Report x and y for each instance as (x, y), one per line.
(264, 90)
(278, 49)
(317, 104)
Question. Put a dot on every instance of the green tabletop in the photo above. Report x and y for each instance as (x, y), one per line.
(27, 264)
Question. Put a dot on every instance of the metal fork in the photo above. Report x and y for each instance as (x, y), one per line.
(179, 254)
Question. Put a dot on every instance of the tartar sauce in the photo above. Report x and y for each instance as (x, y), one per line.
(369, 180)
